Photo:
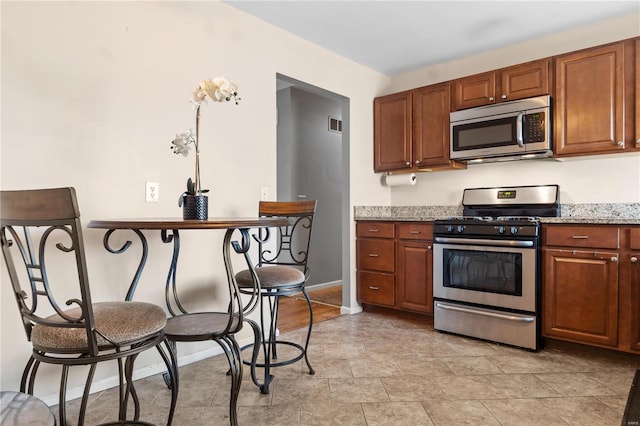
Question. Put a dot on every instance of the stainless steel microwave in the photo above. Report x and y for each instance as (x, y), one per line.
(506, 131)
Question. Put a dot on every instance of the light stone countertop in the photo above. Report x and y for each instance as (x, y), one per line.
(611, 213)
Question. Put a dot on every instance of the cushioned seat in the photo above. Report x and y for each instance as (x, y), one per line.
(272, 277)
(119, 322)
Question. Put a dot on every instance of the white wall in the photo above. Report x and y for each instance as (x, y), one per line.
(602, 179)
(92, 95)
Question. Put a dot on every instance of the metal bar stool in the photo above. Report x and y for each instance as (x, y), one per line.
(283, 271)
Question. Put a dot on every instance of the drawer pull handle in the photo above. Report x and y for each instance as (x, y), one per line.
(374, 230)
(374, 288)
(614, 259)
(414, 232)
(634, 260)
(580, 237)
(373, 255)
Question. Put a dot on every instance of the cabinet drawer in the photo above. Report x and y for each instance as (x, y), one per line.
(582, 236)
(376, 288)
(415, 231)
(634, 240)
(375, 229)
(375, 254)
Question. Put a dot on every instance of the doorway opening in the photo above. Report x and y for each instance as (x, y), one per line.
(313, 163)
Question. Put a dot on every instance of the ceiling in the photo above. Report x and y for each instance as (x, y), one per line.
(394, 37)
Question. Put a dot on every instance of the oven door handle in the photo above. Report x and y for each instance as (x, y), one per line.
(479, 242)
(484, 313)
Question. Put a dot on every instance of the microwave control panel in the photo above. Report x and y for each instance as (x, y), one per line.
(533, 127)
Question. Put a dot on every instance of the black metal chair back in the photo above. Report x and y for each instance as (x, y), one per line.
(39, 222)
(290, 247)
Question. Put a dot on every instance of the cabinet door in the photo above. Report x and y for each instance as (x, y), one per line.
(475, 90)
(431, 107)
(392, 137)
(415, 276)
(635, 300)
(581, 296)
(589, 101)
(376, 288)
(634, 264)
(524, 80)
(375, 254)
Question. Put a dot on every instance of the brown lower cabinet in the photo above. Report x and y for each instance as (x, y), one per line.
(634, 290)
(394, 263)
(590, 286)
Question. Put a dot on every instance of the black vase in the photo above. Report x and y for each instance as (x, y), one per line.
(195, 207)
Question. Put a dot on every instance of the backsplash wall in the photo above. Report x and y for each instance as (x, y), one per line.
(598, 179)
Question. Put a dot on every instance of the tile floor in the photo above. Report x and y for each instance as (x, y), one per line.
(377, 368)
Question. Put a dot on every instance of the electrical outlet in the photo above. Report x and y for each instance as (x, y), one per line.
(152, 193)
(264, 193)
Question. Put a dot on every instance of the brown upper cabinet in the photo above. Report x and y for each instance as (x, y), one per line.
(636, 87)
(507, 84)
(594, 100)
(411, 130)
(392, 131)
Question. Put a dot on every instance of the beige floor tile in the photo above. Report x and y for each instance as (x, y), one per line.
(523, 412)
(357, 390)
(583, 411)
(578, 384)
(344, 350)
(332, 368)
(332, 415)
(201, 416)
(618, 381)
(469, 387)
(615, 402)
(370, 367)
(395, 413)
(300, 391)
(463, 412)
(471, 365)
(423, 366)
(521, 386)
(411, 388)
(276, 415)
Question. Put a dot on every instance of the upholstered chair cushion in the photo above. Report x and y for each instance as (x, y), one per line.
(120, 322)
(272, 276)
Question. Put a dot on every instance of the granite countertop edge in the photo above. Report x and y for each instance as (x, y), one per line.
(605, 213)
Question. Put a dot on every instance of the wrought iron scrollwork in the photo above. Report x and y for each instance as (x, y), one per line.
(125, 247)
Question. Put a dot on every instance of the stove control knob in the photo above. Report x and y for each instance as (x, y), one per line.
(450, 228)
(514, 230)
(460, 229)
(501, 229)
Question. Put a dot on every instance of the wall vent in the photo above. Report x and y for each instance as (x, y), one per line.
(335, 124)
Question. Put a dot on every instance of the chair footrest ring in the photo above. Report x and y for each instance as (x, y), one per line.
(289, 361)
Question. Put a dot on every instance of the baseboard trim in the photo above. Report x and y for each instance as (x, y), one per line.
(323, 285)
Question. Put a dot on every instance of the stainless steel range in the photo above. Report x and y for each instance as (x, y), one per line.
(487, 264)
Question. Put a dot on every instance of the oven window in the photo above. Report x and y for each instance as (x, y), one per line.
(494, 272)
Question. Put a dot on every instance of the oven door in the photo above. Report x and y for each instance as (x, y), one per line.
(493, 273)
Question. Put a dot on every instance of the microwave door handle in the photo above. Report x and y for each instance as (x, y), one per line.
(519, 137)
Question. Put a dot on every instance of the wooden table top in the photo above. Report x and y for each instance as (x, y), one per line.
(179, 223)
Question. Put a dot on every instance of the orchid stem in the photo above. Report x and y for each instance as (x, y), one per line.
(197, 188)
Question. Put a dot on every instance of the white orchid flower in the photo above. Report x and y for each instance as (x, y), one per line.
(180, 145)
